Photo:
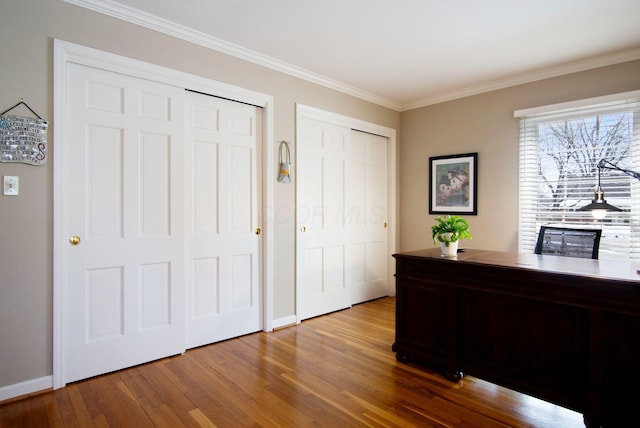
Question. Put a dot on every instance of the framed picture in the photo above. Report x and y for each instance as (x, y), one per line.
(453, 184)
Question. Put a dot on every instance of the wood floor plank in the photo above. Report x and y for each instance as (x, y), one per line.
(81, 413)
(64, 407)
(335, 370)
(201, 419)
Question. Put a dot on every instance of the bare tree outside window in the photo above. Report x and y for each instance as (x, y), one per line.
(569, 151)
(560, 148)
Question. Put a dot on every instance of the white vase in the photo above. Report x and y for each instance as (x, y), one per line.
(450, 251)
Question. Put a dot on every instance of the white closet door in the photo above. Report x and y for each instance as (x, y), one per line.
(368, 216)
(322, 273)
(224, 238)
(124, 290)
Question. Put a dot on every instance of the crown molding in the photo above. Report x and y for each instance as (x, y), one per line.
(534, 76)
(134, 16)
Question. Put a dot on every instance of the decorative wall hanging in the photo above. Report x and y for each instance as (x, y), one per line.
(23, 139)
(453, 184)
(284, 163)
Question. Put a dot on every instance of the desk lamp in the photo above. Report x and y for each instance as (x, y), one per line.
(599, 206)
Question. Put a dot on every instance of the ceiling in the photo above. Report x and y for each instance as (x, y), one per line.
(402, 54)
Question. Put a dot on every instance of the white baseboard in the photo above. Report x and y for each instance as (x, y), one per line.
(26, 387)
(284, 322)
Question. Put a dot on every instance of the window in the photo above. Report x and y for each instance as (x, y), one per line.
(560, 147)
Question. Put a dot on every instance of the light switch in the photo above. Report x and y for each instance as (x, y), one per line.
(11, 185)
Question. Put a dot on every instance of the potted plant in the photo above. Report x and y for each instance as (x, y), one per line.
(448, 231)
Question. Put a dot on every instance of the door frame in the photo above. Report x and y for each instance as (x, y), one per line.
(314, 113)
(65, 53)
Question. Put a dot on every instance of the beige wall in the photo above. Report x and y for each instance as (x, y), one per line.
(27, 29)
(485, 124)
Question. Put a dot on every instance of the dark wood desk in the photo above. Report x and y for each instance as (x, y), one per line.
(562, 329)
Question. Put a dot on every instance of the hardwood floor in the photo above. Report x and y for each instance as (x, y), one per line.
(336, 370)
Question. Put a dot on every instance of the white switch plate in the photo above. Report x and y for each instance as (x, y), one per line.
(11, 185)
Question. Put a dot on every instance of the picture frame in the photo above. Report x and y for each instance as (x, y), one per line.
(453, 184)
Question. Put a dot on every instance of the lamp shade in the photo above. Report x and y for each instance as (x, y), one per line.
(599, 205)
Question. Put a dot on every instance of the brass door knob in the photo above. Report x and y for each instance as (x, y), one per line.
(74, 240)
(258, 231)
(385, 225)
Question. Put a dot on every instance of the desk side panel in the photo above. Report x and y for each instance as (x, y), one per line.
(533, 346)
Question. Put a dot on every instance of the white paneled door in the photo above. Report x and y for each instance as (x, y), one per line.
(123, 213)
(224, 236)
(161, 257)
(342, 218)
(367, 216)
(322, 273)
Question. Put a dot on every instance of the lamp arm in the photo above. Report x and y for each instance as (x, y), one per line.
(605, 164)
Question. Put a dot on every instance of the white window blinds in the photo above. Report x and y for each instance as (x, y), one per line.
(560, 147)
